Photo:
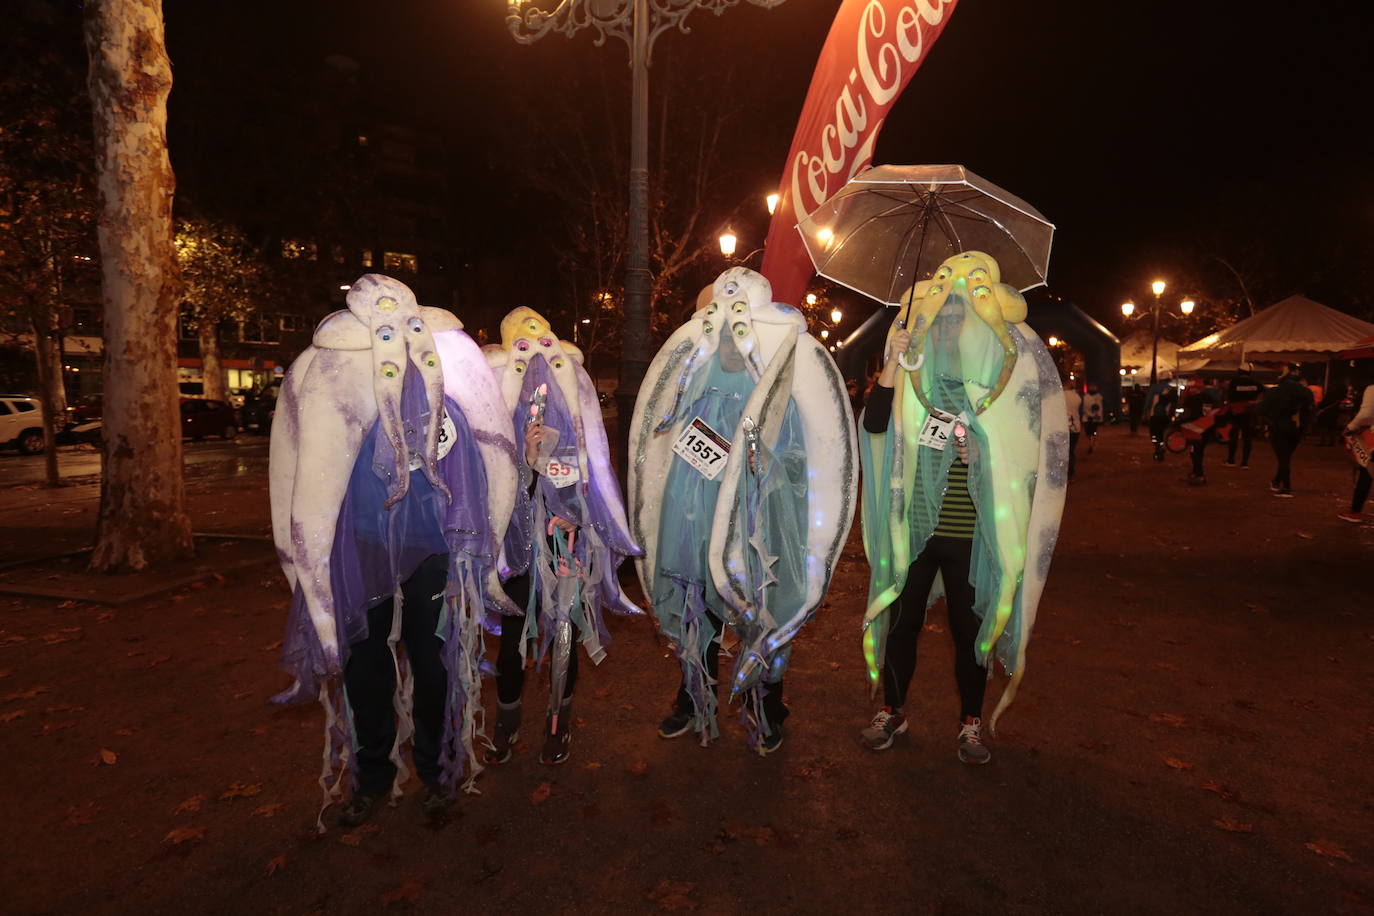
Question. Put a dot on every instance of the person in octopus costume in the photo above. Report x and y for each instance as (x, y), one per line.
(965, 451)
(742, 490)
(393, 475)
(568, 535)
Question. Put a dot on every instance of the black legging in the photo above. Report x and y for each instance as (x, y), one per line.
(1285, 443)
(1362, 481)
(950, 557)
(1242, 434)
(510, 667)
(773, 707)
(1196, 450)
(370, 680)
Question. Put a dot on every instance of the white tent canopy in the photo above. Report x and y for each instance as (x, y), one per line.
(1135, 355)
(1294, 330)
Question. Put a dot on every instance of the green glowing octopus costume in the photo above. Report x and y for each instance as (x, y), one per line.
(969, 336)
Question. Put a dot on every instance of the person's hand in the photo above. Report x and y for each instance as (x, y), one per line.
(534, 437)
(900, 342)
(562, 524)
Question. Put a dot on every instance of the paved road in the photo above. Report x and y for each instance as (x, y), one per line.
(80, 463)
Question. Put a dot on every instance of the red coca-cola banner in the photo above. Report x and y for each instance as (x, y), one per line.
(873, 49)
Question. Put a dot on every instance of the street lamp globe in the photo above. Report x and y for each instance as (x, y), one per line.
(825, 333)
(836, 316)
(1128, 309)
(728, 242)
(1157, 287)
(811, 299)
(1187, 306)
(772, 201)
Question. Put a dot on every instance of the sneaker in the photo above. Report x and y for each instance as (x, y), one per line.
(1284, 494)
(678, 723)
(971, 748)
(435, 801)
(884, 729)
(1245, 467)
(506, 735)
(1228, 464)
(358, 811)
(1273, 487)
(557, 737)
(1353, 518)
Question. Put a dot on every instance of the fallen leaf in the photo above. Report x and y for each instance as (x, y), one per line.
(14, 640)
(638, 768)
(271, 645)
(66, 605)
(673, 895)
(1219, 789)
(355, 837)
(1178, 764)
(627, 706)
(153, 663)
(601, 692)
(1167, 718)
(1330, 849)
(106, 757)
(257, 731)
(1072, 641)
(409, 891)
(541, 793)
(124, 732)
(241, 790)
(1305, 535)
(1233, 826)
(190, 806)
(24, 694)
(594, 765)
(276, 865)
(11, 716)
(66, 634)
(63, 707)
(761, 836)
(267, 810)
(50, 727)
(179, 835)
(105, 617)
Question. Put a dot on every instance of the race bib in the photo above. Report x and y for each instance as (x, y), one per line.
(560, 473)
(703, 448)
(447, 434)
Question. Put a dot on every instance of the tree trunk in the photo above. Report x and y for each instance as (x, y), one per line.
(213, 380)
(52, 394)
(143, 517)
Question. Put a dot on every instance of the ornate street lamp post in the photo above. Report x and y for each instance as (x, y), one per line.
(638, 23)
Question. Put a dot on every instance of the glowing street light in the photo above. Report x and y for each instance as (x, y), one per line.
(1053, 341)
(836, 316)
(1127, 308)
(728, 242)
(811, 299)
(1157, 287)
(1187, 306)
(825, 333)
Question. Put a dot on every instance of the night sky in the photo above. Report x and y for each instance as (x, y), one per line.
(1147, 132)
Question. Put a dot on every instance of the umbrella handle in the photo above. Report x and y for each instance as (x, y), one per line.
(901, 361)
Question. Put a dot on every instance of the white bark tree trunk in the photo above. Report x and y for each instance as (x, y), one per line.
(143, 517)
(212, 375)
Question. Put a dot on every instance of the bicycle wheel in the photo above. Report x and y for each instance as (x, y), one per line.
(1175, 441)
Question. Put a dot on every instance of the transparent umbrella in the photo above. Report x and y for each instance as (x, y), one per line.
(893, 225)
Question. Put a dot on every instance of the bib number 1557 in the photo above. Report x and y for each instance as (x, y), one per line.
(703, 448)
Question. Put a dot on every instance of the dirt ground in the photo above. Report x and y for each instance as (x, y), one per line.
(1193, 734)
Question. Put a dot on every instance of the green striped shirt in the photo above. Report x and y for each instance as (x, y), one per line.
(957, 513)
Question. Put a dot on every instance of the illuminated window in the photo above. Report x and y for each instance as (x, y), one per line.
(298, 249)
(259, 329)
(367, 257)
(292, 322)
(337, 253)
(362, 139)
(395, 260)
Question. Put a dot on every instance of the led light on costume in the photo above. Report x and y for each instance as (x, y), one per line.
(575, 575)
(360, 408)
(970, 347)
(757, 543)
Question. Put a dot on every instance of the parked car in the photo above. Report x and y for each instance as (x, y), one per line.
(200, 418)
(86, 408)
(259, 408)
(21, 423)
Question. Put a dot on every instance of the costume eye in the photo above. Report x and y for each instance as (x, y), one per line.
(935, 290)
(545, 342)
(740, 328)
(429, 359)
(522, 345)
(708, 327)
(712, 308)
(390, 370)
(386, 332)
(416, 326)
(739, 308)
(943, 273)
(534, 327)
(981, 292)
(558, 362)
(519, 367)
(731, 288)
(386, 304)
(978, 275)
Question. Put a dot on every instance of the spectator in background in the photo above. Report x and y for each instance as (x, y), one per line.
(1287, 408)
(1092, 413)
(1135, 407)
(1241, 395)
(1159, 407)
(1073, 402)
(1362, 420)
(1328, 408)
(1212, 392)
(1196, 405)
